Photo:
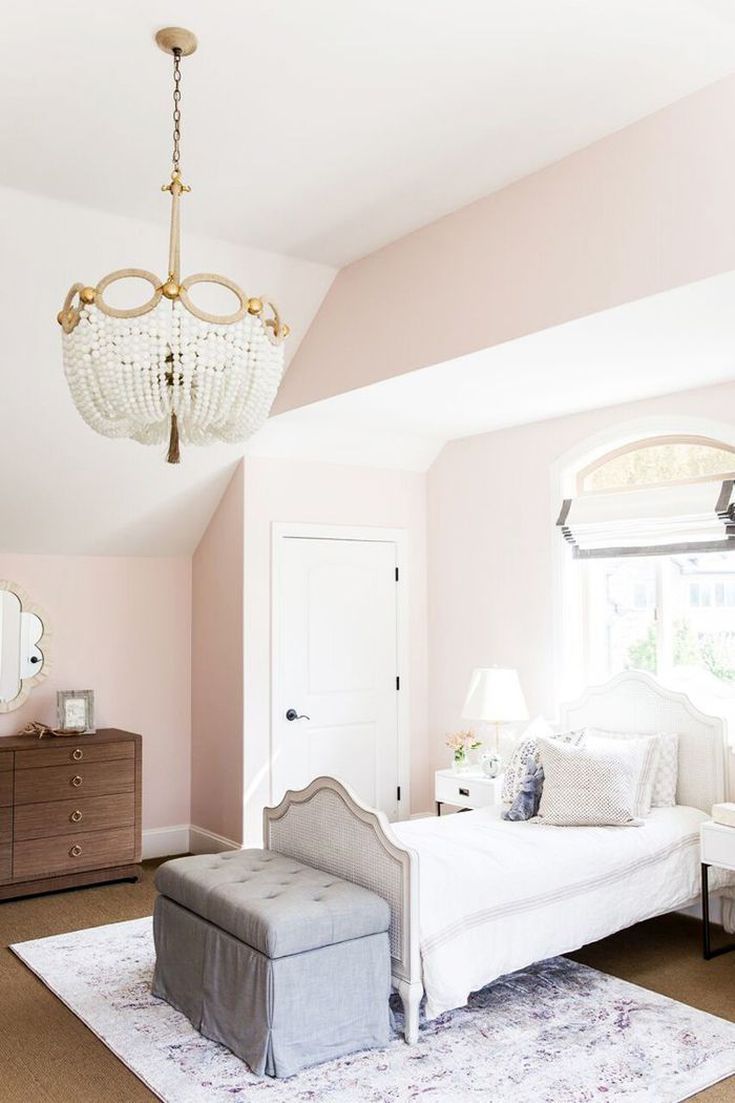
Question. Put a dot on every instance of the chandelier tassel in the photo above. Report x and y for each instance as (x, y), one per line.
(174, 456)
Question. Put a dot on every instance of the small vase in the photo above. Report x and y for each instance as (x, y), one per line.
(459, 762)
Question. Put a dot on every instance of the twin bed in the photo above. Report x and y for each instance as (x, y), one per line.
(474, 897)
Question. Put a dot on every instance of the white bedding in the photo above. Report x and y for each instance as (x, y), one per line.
(496, 896)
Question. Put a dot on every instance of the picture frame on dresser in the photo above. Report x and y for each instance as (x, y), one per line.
(70, 812)
(75, 711)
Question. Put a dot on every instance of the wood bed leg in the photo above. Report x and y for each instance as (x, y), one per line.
(411, 998)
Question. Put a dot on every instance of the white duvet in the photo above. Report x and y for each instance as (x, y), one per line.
(496, 896)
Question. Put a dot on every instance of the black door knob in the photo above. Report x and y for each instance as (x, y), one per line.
(292, 714)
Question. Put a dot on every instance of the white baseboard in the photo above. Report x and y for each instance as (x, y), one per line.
(164, 842)
(184, 838)
(202, 841)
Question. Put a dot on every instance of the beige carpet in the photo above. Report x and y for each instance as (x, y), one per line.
(46, 1054)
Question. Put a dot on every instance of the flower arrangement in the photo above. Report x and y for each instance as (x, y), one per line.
(460, 744)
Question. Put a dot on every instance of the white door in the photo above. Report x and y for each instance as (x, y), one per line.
(335, 667)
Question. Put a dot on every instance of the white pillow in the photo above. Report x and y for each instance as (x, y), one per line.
(667, 769)
(600, 783)
(525, 749)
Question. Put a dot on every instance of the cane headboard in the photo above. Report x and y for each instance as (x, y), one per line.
(636, 702)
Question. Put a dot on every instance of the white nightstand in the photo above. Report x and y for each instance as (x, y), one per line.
(470, 790)
(717, 846)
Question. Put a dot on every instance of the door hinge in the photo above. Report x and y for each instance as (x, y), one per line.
(398, 682)
(398, 793)
(397, 574)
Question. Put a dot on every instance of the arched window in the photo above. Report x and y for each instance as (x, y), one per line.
(664, 600)
(662, 461)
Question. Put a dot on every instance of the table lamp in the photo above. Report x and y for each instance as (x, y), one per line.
(494, 697)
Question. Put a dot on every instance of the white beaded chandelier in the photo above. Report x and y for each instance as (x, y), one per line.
(168, 369)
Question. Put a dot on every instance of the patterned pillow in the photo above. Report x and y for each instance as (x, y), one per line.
(667, 770)
(596, 784)
(527, 748)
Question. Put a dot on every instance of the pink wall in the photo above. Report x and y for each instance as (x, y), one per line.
(491, 543)
(217, 669)
(121, 627)
(641, 211)
(328, 494)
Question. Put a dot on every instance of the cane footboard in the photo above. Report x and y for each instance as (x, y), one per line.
(327, 826)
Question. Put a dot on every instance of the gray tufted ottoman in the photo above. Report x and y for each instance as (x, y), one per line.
(283, 964)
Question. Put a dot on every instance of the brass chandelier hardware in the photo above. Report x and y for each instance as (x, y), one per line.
(167, 368)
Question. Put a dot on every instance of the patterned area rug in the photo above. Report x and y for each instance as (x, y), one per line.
(555, 1033)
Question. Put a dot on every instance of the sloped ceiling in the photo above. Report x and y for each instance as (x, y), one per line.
(674, 341)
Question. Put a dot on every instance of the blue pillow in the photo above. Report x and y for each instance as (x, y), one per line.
(525, 805)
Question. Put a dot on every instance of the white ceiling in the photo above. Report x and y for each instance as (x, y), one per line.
(670, 342)
(324, 129)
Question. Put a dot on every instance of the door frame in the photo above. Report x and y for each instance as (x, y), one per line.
(283, 530)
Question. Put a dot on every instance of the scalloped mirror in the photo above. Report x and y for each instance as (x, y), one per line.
(23, 663)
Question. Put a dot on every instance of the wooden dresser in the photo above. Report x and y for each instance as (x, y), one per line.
(70, 811)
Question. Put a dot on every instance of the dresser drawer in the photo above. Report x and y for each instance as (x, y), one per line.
(93, 779)
(64, 750)
(62, 817)
(69, 853)
(467, 792)
(6, 826)
(6, 862)
(6, 788)
(6, 761)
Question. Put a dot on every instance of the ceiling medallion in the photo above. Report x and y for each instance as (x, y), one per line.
(168, 369)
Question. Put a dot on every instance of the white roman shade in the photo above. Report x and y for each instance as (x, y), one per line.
(664, 520)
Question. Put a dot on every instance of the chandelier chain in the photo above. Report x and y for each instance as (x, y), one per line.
(176, 159)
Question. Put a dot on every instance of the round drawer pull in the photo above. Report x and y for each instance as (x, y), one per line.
(76, 816)
(76, 781)
(77, 754)
(75, 851)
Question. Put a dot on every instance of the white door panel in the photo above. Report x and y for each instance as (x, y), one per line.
(337, 667)
(346, 752)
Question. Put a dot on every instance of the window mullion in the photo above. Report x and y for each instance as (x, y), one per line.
(664, 618)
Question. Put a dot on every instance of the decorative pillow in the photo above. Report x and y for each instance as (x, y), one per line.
(599, 784)
(525, 806)
(646, 777)
(527, 748)
(667, 771)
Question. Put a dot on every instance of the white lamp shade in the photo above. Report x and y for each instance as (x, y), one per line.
(495, 695)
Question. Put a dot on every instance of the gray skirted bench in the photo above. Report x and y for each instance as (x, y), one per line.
(283, 964)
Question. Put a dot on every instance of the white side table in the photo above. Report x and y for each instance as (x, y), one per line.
(470, 790)
(717, 847)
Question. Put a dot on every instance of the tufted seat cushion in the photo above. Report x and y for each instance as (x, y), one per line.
(274, 904)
